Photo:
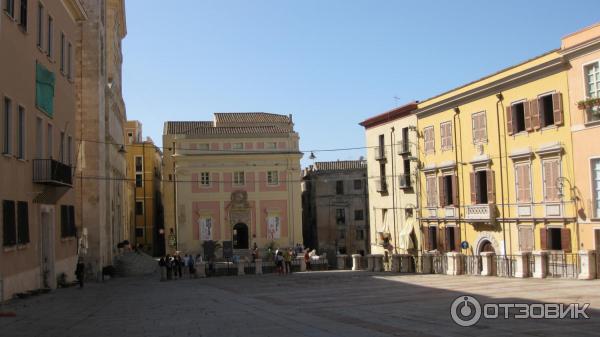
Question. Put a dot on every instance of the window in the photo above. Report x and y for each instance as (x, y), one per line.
(203, 147)
(340, 216)
(139, 208)
(270, 145)
(69, 63)
(9, 8)
(40, 26)
(70, 150)
(405, 146)
(360, 234)
(546, 110)
(357, 184)
(592, 88)
(237, 146)
(23, 15)
(49, 143)
(139, 164)
(272, 178)
(7, 127)
(22, 223)
(482, 187)
(446, 135)
(551, 173)
(451, 238)
(44, 89)
(339, 187)
(596, 186)
(50, 32)
(62, 56)
(432, 238)
(359, 214)
(39, 138)
(380, 154)
(431, 190)
(139, 232)
(67, 221)
(139, 180)
(342, 234)
(406, 166)
(517, 116)
(239, 178)
(61, 148)
(205, 179)
(523, 183)
(21, 133)
(429, 139)
(479, 126)
(448, 190)
(9, 237)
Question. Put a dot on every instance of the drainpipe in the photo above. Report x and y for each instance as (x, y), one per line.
(175, 199)
(393, 188)
(500, 98)
(456, 147)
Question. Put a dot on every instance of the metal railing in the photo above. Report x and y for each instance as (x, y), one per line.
(440, 264)
(50, 171)
(472, 264)
(563, 265)
(505, 265)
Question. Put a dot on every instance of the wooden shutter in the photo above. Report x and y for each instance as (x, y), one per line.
(527, 114)
(473, 188)
(490, 187)
(557, 108)
(442, 188)
(474, 128)
(565, 238)
(441, 239)
(509, 121)
(543, 238)
(8, 221)
(455, 190)
(72, 226)
(457, 239)
(425, 242)
(443, 136)
(535, 113)
(23, 222)
(64, 221)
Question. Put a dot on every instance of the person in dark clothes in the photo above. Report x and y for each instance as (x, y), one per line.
(179, 265)
(80, 271)
(162, 264)
(169, 265)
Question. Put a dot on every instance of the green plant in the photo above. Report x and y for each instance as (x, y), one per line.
(588, 103)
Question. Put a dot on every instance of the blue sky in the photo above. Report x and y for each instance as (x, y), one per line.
(330, 63)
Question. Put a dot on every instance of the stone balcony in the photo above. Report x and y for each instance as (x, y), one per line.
(480, 213)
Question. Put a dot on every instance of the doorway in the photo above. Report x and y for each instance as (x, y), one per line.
(486, 246)
(47, 223)
(240, 236)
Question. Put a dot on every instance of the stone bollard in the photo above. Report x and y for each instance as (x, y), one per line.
(522, 266)
(377, 263)
(427, 263)
(240, 268)
(405, 263)
(487, 264)
(587, 260)
(370, 262)
(540, 263)
(258, 266)
(302, 263)
(341, 261)
(356, 261)
(200, 269)
(455, 263)
(395, 263)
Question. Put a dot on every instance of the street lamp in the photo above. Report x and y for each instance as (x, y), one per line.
(560, 182)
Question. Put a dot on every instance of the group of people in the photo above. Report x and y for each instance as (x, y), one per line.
(283, 258)
(174, 267)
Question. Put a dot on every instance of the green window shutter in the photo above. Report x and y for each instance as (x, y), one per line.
(44, 89)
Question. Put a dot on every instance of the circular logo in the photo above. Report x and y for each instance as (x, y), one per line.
(465, 311)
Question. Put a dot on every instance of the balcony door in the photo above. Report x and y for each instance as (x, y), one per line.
(47, 263)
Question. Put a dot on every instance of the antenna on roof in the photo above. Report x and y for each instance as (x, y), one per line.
(397, 99)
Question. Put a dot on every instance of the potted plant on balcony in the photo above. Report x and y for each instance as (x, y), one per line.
(589, 103)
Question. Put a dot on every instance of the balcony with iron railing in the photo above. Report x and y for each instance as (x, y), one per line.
(52, 172)
(404, 181)
(404, 147)
(381, 185)
(380, 153)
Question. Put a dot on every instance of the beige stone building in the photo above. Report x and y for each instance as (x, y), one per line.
(101, 170)
(582, 50)
(392, 151)
(236, 178)
(37, 137)
(144, 168)
(335, 207)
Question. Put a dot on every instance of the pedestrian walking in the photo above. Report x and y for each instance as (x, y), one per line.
(179, 266)
(162, 264)
(307, 260)
(279, 262)
(80, 271)
(169, 265)
(287, 257)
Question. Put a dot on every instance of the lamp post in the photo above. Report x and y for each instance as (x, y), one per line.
(560, 182)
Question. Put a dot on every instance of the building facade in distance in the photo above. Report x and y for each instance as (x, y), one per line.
(38, 104)
(392, 150)
(144, 170)
(335, 207)
(236, 178)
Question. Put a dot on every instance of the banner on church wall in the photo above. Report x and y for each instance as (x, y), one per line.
(273, 227)
(206, 228)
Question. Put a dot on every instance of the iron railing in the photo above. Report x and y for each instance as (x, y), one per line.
(50, 171)
(472, 264)
(505, 265)
(563, 265)
(440, 264)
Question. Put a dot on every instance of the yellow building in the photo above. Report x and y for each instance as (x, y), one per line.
(494, 155)
(391, 169)
(144, 167)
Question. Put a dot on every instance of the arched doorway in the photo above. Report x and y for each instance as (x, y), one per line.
(240, 236)
(486, 246)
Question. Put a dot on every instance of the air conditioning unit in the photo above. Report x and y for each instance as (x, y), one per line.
(404, 181)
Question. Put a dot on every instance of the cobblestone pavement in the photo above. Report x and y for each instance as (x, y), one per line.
(336, 303)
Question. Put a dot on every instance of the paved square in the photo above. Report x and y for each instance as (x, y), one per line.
(335, 303)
